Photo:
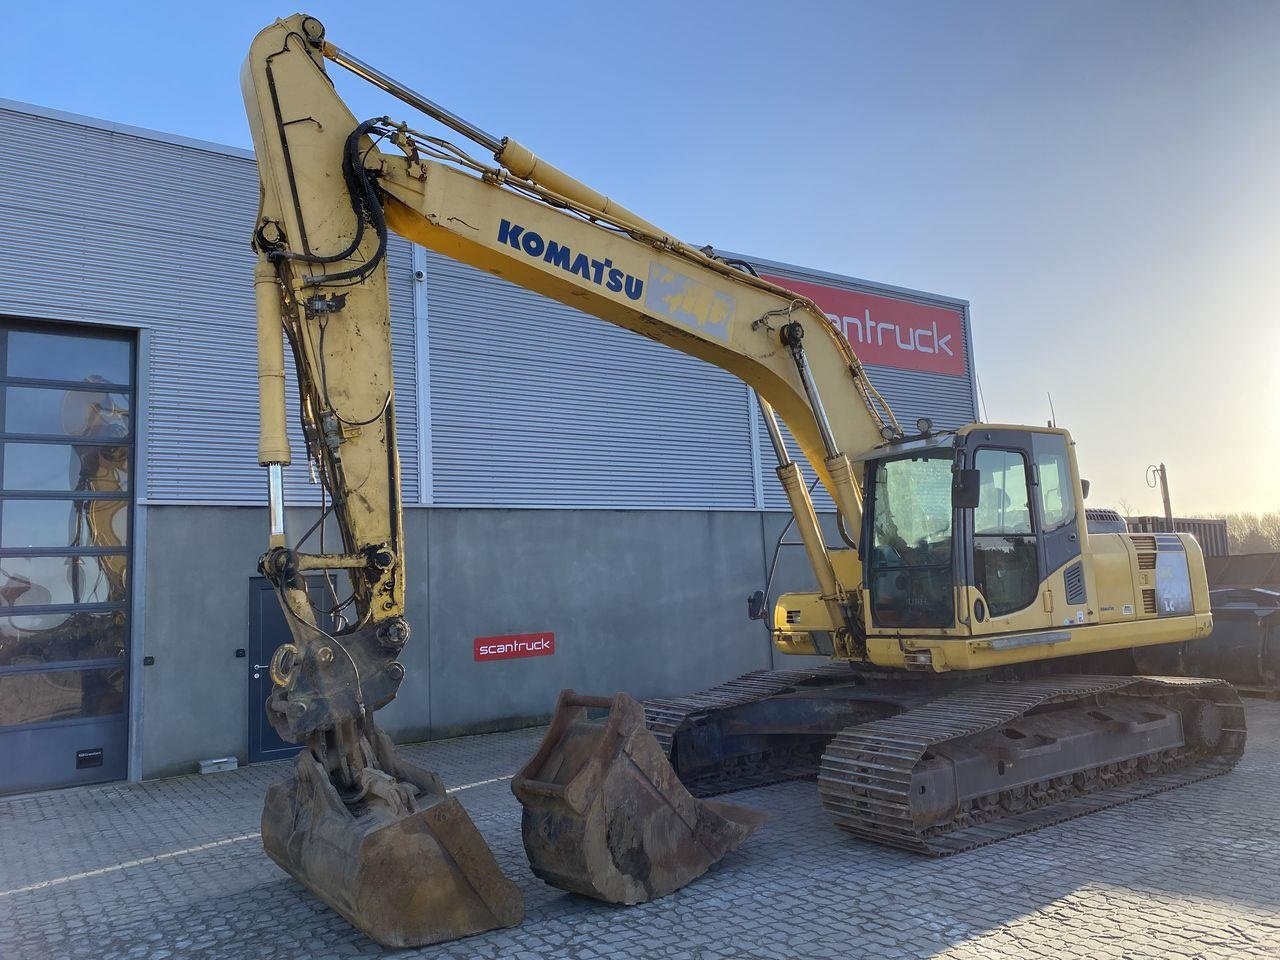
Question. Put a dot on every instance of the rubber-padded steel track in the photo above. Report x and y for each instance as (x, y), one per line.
(866, 775)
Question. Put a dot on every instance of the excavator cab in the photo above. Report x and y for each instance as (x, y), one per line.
(965, 528)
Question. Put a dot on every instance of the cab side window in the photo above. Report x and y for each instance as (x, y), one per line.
(1004, 541)
(1057, 493)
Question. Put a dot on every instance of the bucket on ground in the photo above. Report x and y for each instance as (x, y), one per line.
(606, 816)
(406, 876)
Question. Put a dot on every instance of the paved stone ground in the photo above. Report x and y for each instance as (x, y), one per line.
(174, 869)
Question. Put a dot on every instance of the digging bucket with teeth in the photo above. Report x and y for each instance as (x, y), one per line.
(402, 862)
(605, 814)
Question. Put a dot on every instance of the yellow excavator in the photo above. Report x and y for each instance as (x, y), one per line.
(956, 708)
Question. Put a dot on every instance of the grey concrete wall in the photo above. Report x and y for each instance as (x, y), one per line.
(644, 601)
(195, 697)
(651, 602)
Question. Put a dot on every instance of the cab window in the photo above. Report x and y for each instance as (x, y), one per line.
(1004, 542)
(1057, 494)
(909, 570)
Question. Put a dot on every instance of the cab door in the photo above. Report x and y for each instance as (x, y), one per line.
(1057, 514)
(1023, 529)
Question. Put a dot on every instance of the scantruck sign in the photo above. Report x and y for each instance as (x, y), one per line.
(890, 332)
(514, 646)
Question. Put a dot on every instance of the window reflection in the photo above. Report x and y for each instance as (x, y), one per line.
(55, 356)
(32, 581)
(64, 523)
(60, 466)
(1004, 547)
(69, 413)
(65, 635)
(61, 695)
(911, 581)
(1003, 504)
(1057, 493)
(68, 494)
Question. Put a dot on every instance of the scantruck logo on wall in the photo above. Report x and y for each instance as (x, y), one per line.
(514, 646)
(891, 332)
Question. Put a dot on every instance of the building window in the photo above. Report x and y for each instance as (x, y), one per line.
(66, 513)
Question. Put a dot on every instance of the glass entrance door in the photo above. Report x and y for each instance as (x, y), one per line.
(66, 525)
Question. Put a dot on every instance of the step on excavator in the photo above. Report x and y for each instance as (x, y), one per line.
(954, 611)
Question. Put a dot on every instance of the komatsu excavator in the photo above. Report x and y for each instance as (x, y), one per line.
(954, 611)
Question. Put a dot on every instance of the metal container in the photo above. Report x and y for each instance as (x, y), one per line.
(1209, 533)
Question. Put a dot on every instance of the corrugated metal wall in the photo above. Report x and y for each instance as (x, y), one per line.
(532, 404)
(113, 226)
(536, 404)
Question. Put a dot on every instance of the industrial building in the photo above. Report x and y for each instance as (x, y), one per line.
(583, 507)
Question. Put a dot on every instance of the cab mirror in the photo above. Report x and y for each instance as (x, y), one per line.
(965, 486)
(756, 607)
(1084, 489)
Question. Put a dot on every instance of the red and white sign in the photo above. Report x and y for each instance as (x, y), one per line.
(890, 332)
(514, 646)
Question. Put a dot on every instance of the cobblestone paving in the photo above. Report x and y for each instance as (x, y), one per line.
(174, 868)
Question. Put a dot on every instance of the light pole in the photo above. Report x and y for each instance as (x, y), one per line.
(1158, 475)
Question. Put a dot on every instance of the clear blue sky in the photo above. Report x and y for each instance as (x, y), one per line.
(1100, 179)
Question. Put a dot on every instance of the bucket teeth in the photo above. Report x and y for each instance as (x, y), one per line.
(406, 877)
(605, 814)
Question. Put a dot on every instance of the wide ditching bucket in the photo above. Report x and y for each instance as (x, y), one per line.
(405, 877)
(605, 814)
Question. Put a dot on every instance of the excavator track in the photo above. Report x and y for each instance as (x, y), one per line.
(665, 716)
(866, 778)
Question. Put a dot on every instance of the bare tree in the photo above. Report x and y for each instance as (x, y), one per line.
(1253, 532)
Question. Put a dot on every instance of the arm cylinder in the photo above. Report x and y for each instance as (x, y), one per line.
(411, 97)
(521, 161)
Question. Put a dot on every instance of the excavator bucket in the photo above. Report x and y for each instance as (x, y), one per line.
(406, 878)
(605, 814)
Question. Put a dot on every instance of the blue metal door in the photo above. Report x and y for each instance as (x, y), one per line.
(267, 630)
